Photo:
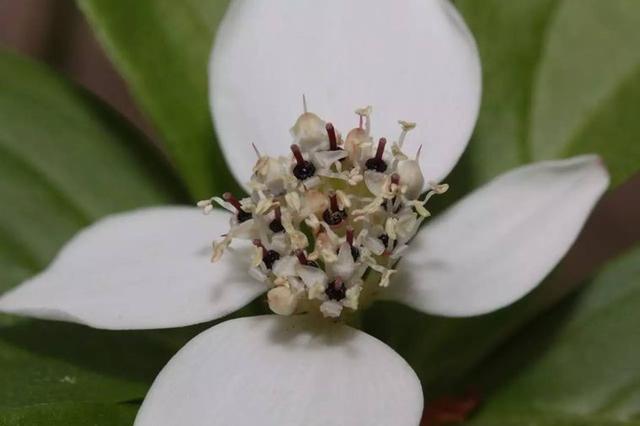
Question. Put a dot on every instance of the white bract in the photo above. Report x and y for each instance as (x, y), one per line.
(327, 229)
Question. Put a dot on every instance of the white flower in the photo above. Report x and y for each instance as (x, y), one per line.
(410, 59)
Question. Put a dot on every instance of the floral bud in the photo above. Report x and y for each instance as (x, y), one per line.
(282, 301)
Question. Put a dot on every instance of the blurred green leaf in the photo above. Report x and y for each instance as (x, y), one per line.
(561, 78)
(162, 49)
(578, 364)
(588, 85)
(66, 160)
(510, 39)
(45, 362)
(69, 414)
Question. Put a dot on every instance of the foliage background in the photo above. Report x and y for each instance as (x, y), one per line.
(64, 374)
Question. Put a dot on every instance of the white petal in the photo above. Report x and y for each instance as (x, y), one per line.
(331, 309)
(144, 269)
(498, 243)
(410, 59)
(284, 371)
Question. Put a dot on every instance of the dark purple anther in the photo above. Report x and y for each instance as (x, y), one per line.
(241, 215)
(303, 169)
(333, 216)
(276, 223)
(336, 290)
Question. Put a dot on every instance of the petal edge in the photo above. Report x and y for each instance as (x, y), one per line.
(499, 242)
(414, 60)
(284, 371)
(143, 269)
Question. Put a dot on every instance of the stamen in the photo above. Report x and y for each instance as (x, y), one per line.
(406, 127)
(377, 163)
(303, 169)
(241, 215)
(365, 112)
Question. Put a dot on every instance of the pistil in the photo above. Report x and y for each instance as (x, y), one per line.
(336, 290)
(303, 169)
(276, 223)
(269, 257)
(303, 259)
(334, 216)
(377, 163)
(333, 141)
(241, 214)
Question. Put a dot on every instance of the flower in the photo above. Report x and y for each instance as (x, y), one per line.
(148, 268)
(330, 222)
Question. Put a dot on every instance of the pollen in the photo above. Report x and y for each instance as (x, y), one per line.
(330, 221)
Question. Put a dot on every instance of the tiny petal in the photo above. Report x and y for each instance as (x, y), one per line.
(309, 132)
(331, 309)
(344, 265)
(411, 177)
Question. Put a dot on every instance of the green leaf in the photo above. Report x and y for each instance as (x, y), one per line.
(162, 49)
(48, 362)
(510, 39)
(561, 78)
(65, 160)
(578, 364)
(70, 414)
(587, 85)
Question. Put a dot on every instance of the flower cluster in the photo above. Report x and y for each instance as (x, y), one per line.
(329, 222)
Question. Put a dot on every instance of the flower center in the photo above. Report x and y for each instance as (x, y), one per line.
(330, 222)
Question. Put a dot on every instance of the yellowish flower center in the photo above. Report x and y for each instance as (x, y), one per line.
(329, 222)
